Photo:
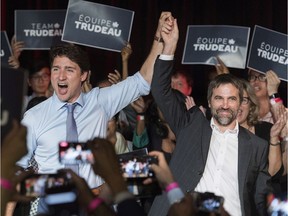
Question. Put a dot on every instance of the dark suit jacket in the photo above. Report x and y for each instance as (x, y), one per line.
(130, 207)
(193, 134)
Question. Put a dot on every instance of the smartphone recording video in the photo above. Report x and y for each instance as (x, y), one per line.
(74, 153)
(136, 167)
(207, 202)
(277, 204)
(39, 185)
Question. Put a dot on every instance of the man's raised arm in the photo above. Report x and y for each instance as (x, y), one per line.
(157, 48)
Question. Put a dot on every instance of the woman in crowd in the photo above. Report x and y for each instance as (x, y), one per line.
(248, 118)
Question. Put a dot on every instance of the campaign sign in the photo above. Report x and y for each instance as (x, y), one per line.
(205, 42)
(269, 51)
(97, 25)
(5, 48)
(39, 29)
(11, 98)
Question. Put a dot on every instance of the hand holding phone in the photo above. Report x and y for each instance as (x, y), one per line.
(137, 167)
(39, 185)
(161, 169)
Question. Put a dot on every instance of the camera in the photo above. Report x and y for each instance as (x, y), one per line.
(207, 202)
(74, 153)
(40, 185)
(137, 166)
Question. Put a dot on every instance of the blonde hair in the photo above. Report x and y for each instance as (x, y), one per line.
(252, 117)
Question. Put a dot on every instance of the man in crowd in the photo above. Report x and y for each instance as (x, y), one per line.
(215, 156)
(46, 122)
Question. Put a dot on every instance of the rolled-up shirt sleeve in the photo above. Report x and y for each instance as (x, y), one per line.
(166, 57)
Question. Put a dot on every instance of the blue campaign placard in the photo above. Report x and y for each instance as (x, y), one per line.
(205, 42)
(5, 48)
(269, 51)
(97, 25)
(11, 98)
(39, 29)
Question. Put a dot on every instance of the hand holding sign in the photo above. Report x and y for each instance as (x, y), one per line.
(268, 51)
(126, 52)
(221, 67)
(273, 82)
(17, 47)
(13, 62)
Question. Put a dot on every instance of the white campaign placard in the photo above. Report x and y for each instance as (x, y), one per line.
(205, 42)
(269, 51)
(39, 29)
(97, 25)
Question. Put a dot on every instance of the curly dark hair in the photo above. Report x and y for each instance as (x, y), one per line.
(225, 79)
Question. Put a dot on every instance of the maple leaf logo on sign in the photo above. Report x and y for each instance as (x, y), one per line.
(231, 41)
(115, 24)
(57, 25)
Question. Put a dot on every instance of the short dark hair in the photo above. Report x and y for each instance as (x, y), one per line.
(74, 52)
(225, 79)
(185, 74)
(37, 66)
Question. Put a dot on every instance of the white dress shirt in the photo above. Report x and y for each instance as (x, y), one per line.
(46, 123)
(221, 171)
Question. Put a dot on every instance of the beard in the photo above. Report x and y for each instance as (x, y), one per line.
(224, 120)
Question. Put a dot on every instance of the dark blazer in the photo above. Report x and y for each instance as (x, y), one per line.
(193, 134)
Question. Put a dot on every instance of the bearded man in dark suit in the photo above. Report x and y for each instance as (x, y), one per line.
(217, 156)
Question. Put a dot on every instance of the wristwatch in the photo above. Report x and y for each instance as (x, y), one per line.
(158, 39)
(275, 95)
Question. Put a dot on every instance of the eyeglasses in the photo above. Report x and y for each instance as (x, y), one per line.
(261, 78)
(44, 77)
(245, 100)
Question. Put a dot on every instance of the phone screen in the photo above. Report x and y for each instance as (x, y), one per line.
(207, 202)
(74, 153)
(38, 185)
(134, 166)
(277, 204)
